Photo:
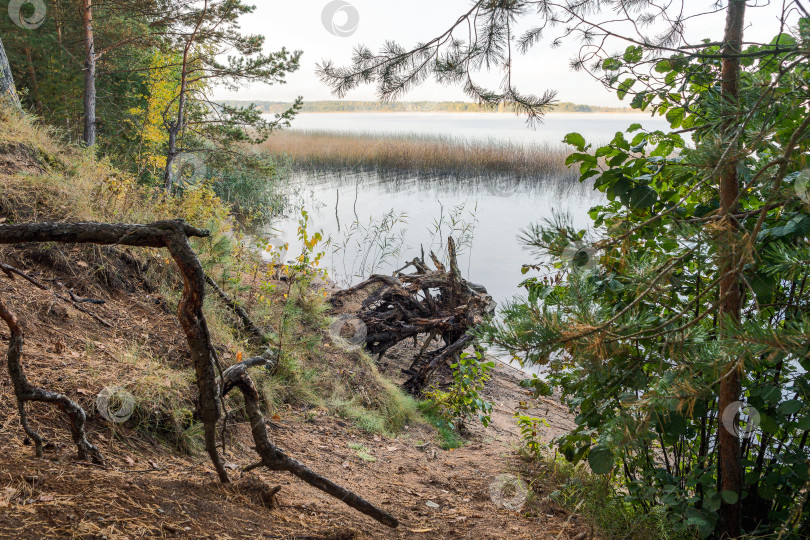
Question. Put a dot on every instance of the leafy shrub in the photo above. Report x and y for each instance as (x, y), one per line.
(459, 402)
(530, 434)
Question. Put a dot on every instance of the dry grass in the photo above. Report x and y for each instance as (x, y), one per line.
(420, 155)
(42, 179)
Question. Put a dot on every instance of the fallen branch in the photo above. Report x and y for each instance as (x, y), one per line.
(275, 459)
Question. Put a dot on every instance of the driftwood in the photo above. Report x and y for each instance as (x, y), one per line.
(437, 303)
(172, 235)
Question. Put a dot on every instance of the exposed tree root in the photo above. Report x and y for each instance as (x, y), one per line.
(173, 235)
(274, 458)
(25, 392)
(436, 303)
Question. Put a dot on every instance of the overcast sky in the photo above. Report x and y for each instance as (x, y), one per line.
(298, 25)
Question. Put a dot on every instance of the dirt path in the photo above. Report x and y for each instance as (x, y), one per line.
(149, 492)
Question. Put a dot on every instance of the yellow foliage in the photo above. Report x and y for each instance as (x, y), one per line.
(163, 85)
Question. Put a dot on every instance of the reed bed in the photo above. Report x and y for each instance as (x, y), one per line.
(418, 155)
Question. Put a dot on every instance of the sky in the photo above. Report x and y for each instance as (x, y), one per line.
(299, 25)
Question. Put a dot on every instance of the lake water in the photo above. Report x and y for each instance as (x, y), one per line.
(375, 224)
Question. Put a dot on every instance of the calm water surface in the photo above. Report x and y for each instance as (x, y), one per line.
(376, 224)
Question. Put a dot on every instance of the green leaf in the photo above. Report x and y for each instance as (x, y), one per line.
(638, 101)
(634, 127)
(791, 406)
(765, 286)
(642, 197)
(730, 497)
(675, 117)
(619, 188)
(632, 54)
(663, 66)
(601, 459)
(611, 64)
(771, 394)
(621, 91)
(575, 139)
(768, 424)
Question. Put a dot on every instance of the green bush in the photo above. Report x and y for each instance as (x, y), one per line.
(461, 401)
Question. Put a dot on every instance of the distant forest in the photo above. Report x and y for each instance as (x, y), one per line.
(409, 106)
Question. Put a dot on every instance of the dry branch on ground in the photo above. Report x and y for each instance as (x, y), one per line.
(173, 235)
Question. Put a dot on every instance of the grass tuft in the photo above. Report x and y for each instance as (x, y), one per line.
(449, 438)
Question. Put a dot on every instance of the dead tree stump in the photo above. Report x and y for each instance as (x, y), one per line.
(438, 303)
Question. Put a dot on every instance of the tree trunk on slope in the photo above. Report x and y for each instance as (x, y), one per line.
(730, 464)
(8, 92)
(89, 75)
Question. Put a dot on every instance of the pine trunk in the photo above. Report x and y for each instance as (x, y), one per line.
(89, 75)
(731, 471)
(8, 92)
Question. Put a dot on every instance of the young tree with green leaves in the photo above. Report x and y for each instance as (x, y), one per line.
(689, 296)
(205, 32)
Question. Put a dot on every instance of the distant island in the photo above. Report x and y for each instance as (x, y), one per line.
(411, 106)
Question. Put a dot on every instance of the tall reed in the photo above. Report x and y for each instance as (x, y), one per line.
(418, 155)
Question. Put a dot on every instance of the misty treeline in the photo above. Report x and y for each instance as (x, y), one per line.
(412, 106)
(132, 79)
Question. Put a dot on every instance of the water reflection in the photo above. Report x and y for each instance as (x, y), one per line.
(375, 223)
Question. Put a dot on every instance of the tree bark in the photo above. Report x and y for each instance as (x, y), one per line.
(89, 75)
(730, 460)
(8, 92)
(34, 82)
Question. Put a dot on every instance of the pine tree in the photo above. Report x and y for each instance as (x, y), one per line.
(688, 297)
